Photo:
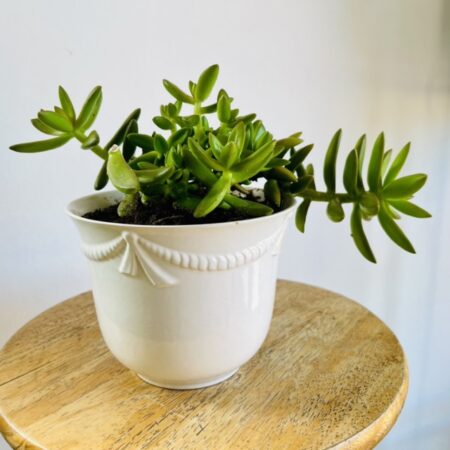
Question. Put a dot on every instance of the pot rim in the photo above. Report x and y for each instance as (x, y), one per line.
(70, 211)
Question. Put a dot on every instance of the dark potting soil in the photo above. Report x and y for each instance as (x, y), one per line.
(164, 213)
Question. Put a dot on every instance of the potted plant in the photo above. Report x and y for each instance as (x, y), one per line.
(184, 252)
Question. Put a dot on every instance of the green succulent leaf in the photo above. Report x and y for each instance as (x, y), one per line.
(229, 154)
(102, 178)
(404, 187)
(178, 137)
(144, 165)
(172, 110)
(285, 143)
(92, 139)
(282, 174)
(360, 148)
(40, 146)
(44, 128)
(351, 172)
(272, 192)
(393, 230)
(386, 158)
(177, 93)
(66, 103)
(56, 121)
(122, 176)
(329, 167)
(90, 109)
(303, 183)
(162, 122)
(391, 211)
(129, 147)
(209, 109)
(300, 215)
(409, 208)
(248, 207)
(192, 87)
(299, 156)
(277, 162)
(215, 196)
(119, 135)
(245, 119)
(154, 176)
(206, 82)
(196, 166)
(397, 164)
(335, 211)
(203, 156)
(160, 144)
(215, 145)
(375, 164)
(359, 236)
(224, 109)
(251, 165)
(237, 136)
(143, 141)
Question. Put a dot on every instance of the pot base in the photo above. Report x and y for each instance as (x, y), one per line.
(205, 383)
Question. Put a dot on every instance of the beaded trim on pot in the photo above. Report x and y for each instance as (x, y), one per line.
(139, 252)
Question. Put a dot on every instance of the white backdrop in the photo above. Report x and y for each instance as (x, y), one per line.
(302, 65)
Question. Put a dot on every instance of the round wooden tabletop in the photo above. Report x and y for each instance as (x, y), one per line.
(330, 375)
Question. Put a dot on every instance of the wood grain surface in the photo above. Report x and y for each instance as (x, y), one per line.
(330, 375)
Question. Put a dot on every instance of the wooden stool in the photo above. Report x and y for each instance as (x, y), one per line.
(330, 375)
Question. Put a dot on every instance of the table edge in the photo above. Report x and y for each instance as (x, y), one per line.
(374, 433)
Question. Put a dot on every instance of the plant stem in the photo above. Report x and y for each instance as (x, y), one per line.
(317, 196)
(99, 151)
(198, 109)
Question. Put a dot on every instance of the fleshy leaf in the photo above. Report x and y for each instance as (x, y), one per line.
(329, 167)
(90, 109)
(404, 187)
(176, 92)
(410, 209)
(122, 176)
(40, 146)
(359, 236)
(66, 103)
(54, 120)
(397, 164)
(44, 128)
(215, 196)
(300, 215)
(206, 82)
(393, 230)
(119, 135)
(351, 171)
(335, 211)
(375, 164)
(272, 192)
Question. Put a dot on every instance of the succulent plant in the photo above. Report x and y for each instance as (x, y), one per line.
(200, 167)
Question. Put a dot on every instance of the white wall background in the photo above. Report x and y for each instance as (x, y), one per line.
(302, 65)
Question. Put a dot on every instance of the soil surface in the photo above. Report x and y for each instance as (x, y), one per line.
(164, 213)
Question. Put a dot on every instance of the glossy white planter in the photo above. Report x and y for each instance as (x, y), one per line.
(183, 306)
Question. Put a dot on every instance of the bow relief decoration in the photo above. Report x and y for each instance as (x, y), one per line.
(139, 253)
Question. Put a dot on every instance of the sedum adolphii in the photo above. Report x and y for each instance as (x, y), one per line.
(201, 167)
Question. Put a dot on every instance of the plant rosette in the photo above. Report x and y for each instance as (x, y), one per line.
(184, 306)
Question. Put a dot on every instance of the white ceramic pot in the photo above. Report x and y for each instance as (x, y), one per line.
(182, 306)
